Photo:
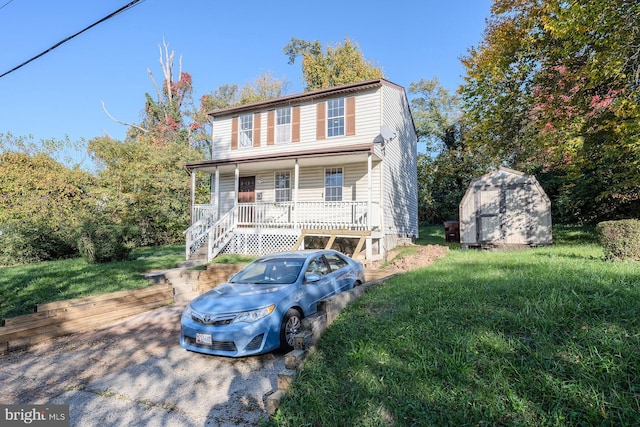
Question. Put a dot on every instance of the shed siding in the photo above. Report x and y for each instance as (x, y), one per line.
(505, 207)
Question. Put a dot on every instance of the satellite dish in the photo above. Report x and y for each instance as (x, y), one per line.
(387, 133)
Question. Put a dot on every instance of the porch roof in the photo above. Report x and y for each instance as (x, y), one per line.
(342, 155)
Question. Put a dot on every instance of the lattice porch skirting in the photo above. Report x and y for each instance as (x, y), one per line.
(251, 241)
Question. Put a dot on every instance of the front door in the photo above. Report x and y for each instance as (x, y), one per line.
(246, 194)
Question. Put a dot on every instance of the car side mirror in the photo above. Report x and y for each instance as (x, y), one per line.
(311, 277)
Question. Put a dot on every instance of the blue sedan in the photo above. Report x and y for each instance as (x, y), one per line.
(262, 306)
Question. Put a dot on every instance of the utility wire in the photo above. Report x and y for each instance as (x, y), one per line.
(6, 4)
(111, 15)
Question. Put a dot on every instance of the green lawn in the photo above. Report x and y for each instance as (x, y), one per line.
(24, 286)
(540, 337)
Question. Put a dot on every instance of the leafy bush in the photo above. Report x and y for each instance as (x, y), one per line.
(620, 239)
(106, 243)
(24, 243)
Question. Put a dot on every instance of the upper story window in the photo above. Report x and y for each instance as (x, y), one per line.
(283, 186)
(333, 184)
(283, 125)
(246, 130)
(335, 117)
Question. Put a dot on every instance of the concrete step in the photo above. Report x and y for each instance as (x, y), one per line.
(185, 282)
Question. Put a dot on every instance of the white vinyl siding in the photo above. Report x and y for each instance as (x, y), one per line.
(400, 198)
(311, 185)
(367, 126)
(227, 193)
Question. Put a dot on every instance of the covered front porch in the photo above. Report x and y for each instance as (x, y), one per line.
(262, 205)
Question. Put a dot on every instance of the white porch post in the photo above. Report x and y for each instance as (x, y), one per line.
(193, 195)
(236, 189)
(216, 188)
(296, 174)
(369, 241)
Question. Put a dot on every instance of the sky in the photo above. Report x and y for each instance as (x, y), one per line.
(61, 94)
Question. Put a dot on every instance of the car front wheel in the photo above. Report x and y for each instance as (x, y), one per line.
(291, 326)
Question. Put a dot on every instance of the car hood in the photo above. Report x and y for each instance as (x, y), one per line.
(239, 296)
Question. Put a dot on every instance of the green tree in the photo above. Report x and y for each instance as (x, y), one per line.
(42, 204)
(447, 166)
(264, 87)
(144, 185)
(553, 88)
(340, 64)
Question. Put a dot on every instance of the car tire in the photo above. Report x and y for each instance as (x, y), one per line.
(291, 325)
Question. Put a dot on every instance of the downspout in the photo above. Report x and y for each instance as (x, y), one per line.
(236, 189)
(369, 241)
(216, 188)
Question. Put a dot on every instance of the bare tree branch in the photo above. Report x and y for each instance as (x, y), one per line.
(121, 122)
(155, 85)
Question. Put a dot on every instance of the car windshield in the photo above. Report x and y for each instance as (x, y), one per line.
(270, 271)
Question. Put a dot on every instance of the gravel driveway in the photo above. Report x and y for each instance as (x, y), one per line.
(135, 373)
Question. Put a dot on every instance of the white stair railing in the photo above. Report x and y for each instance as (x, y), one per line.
(220, 233)
(217, 233)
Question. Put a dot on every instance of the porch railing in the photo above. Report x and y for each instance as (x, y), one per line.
(358, 215)
(348, 215)
(197, 234)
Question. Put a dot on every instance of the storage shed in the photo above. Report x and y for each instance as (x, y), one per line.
(505, 208)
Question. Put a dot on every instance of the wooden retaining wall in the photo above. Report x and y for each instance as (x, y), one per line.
(78, 315)
(215, 274)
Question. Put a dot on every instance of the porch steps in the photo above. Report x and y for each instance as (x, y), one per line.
(185, 284)
(199, 257)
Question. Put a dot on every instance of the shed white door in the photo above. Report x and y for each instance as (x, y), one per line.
(515, 216)
(502, 215)
(488, 211)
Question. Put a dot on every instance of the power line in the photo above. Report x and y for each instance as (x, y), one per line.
(111, 15)
(6, 4)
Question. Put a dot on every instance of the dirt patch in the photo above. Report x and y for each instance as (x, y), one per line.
(406, 258)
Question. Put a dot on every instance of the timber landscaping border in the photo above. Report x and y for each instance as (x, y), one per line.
(79, 315)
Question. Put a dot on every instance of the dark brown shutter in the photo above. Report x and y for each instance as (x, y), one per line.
(256, 130)
(295, 124)
(321, 120)
(271, 118)
(234, 133)
(350, 119)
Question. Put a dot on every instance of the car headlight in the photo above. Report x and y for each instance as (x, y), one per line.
(254, 315)
(187, 312)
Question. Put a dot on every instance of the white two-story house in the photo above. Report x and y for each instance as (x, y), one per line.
(337, 162)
